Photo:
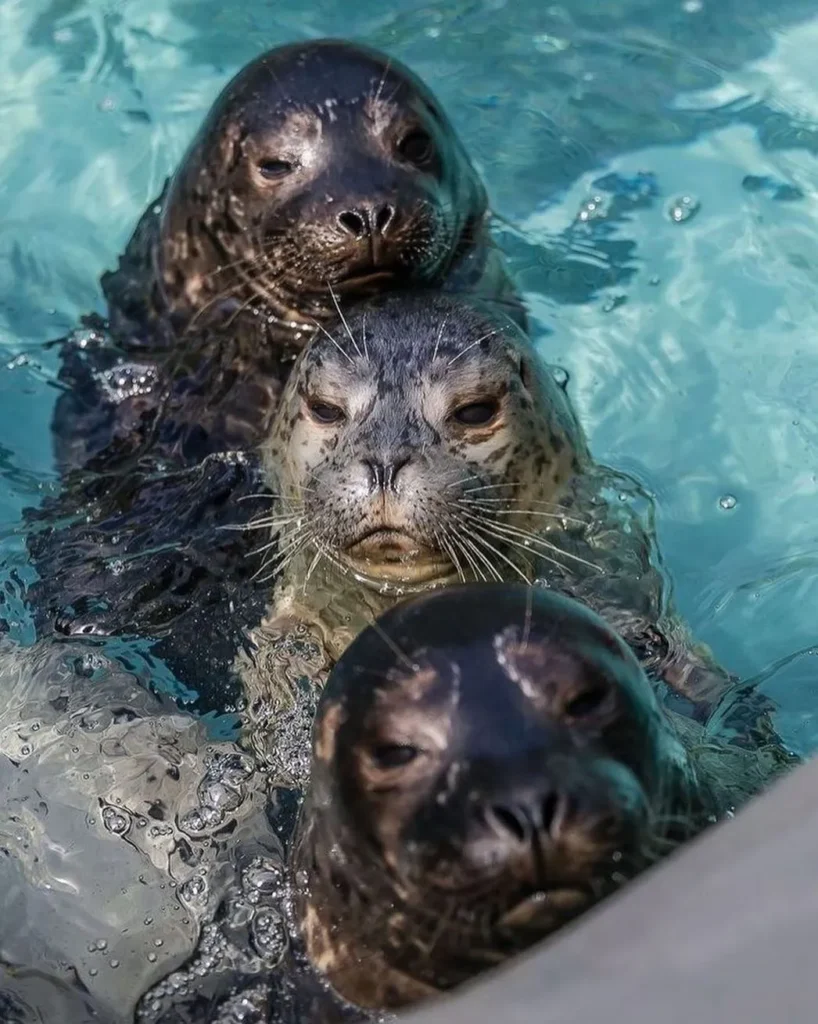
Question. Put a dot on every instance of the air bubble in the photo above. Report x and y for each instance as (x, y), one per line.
(561, 376)
(114, 821)
(683, 208)
(727, 502)
(193, 889)
(593, 209)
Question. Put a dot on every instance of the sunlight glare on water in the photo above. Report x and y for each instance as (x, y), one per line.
(653, 171)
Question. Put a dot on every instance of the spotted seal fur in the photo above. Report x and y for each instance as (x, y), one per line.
(424, 441)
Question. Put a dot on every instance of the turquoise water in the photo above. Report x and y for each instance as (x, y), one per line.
(653, 171)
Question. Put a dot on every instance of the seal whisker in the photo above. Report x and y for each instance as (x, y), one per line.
(386, 68)
(442, 539)
(343, 351)
(363, 335)
(479, 554)
(344, 320)
(461, 545)
(504, 530)
(478, 505)
(283, 548)
(479, 539)
(214, 301)
(443, 323)
(394, 647)
(468, 348)
(318, 556)
(263, 525)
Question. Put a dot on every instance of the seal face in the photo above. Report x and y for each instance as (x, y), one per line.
(421, 440)
(488, 761)
(322, 165)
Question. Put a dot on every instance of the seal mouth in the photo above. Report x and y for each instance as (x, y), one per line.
(371, 280)
(387, 554)
(542, 910)
(389, 542)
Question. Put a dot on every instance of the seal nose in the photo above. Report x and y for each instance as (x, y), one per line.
(367, 220)
(383, 476)
(517, 819)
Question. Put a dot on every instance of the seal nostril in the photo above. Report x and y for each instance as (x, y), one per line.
(511, 821)
(586, 703)
(353, 222)
(375, 472)
(549, 809)
(391, 473)
(383, 218)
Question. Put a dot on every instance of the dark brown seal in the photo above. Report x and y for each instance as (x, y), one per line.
(489, 761)
(322, 165)
(324, 172)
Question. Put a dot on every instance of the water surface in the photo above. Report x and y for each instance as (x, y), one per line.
(653, 170)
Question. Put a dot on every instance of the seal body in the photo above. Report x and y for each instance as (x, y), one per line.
(324, 172)
(423, 440)
(487, 763)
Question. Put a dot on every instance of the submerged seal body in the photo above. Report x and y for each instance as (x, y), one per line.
(488, 762)
(324, 172)
(423, 440)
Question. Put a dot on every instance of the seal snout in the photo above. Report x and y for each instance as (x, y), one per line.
(520, 814)
(367, 220)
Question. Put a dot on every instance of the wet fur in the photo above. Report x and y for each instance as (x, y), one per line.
(398, 365)
(163, 403)
(388, 931)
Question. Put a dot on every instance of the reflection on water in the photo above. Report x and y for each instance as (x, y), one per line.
(653, 171)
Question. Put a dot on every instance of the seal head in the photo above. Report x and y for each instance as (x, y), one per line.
(321, 165)
(419, 439)
(488, 761)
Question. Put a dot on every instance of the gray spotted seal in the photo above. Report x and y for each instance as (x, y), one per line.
(488, 762)
(423, 440)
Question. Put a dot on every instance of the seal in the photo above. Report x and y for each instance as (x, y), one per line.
(488, 762)
(424, 441)
(324, 172)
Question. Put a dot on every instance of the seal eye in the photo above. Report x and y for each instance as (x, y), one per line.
(274, 169)
(394, 755)
(477, 414)
(324, 412)
(586, 703)
(416, 147)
